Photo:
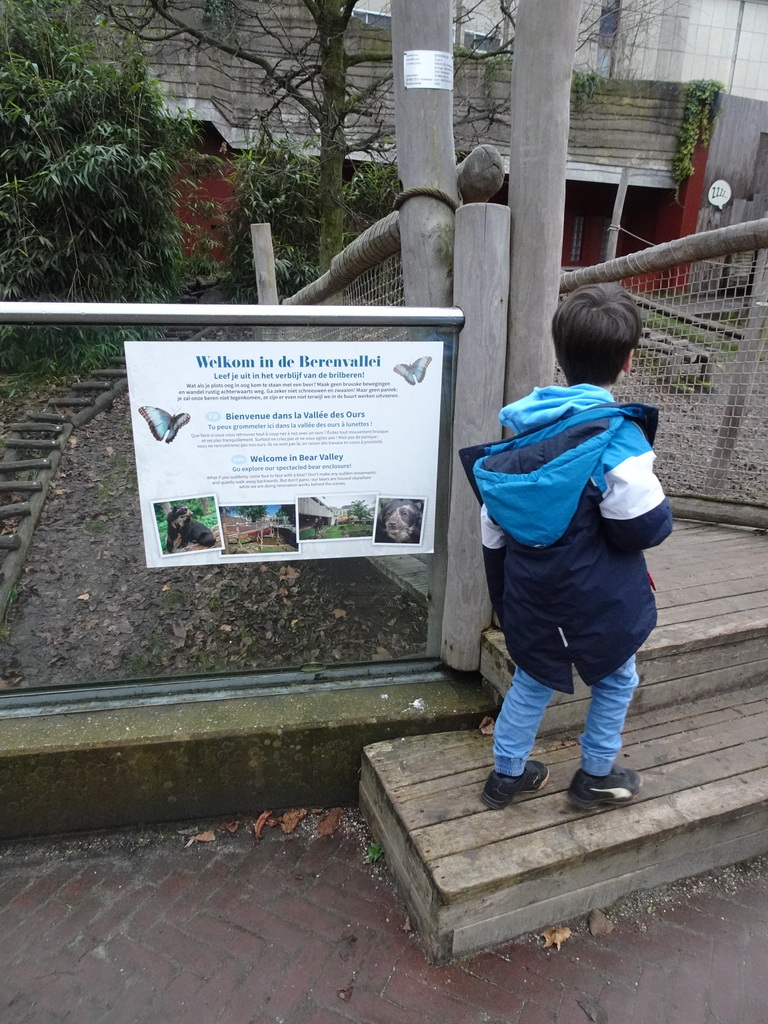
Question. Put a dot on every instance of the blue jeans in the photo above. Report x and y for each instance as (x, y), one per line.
(524, 707)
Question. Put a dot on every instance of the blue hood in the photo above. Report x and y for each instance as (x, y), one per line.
(533, 493)
(544, 405)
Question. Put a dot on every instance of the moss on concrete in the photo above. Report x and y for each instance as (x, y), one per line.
(112, 767)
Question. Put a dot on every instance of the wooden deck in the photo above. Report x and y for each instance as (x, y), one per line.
(698, 733)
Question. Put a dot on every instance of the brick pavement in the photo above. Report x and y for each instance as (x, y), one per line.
(134, 927)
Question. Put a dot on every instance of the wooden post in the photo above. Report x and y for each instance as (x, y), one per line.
(422, 32)
(425, 149)
(264, 264)
(481, 290)
(618, 209)
(545, 41)
(745, 369)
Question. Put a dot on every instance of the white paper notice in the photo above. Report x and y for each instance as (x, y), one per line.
(285, 450)
(428, 69)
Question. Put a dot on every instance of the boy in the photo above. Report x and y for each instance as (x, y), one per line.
(569, 504)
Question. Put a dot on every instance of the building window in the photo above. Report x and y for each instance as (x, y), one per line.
(576, 237)
(374, 18)
(606, 37)
(480, 42)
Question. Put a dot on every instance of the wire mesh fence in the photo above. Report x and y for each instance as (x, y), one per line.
(701, 361)
(381, 285)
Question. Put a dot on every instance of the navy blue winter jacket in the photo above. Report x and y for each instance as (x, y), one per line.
(569, 504)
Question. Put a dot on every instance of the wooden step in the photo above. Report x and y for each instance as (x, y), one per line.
(473, 878)
(712, 635)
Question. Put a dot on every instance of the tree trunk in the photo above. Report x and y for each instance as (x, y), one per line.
(332, 140)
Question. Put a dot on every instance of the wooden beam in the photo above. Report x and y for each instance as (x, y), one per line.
(422, 33)
(545, 42)
(481, 290)
(618, 209)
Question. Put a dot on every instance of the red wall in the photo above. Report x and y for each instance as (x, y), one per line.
(205, 198)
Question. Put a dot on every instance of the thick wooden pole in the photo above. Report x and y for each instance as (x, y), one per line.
(482, 290)
(421, 34)
(422, 41)
(618, 210)
(545, 42)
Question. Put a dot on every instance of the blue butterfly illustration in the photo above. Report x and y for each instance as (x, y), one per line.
(414, 372)
(164, 427)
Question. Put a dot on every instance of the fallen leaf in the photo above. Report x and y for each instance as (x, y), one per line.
(407, 925)
(599, 924)
(261, 821)
(291, 819)
(230, 826)
(166, 587)
(345, 993)
(288, 572)
(73, 442)
(110, 450)
(339, 613)
(225, 628)
(486, 726)
(205, 837)
(330, 822)
(83, 597)
(555, 936)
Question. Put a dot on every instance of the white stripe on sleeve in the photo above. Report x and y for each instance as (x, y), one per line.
(493, 535)
(632, 488)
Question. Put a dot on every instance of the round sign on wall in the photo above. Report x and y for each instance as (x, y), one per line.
(719, 193)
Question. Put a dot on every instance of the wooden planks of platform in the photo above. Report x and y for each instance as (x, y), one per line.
(474, 878)
(712, 597)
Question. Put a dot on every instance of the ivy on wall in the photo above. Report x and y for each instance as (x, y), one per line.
(699, 113)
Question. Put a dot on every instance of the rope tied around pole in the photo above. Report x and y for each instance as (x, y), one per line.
(425, 190)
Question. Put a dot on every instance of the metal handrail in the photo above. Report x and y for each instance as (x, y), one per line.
(196, 315)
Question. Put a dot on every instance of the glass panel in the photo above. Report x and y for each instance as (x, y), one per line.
(271, 578)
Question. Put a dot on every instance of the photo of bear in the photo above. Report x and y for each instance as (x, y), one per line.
(399, 521)
(185, 526)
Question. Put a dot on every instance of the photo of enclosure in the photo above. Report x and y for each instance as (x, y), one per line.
(186, 525)
(337, 517)
(259, 529)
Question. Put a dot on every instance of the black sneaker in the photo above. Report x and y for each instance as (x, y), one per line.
(618, 787)
(501, 789)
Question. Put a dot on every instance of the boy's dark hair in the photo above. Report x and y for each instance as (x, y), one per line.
(595, 328)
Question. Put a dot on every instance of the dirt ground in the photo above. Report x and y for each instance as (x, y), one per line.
(87, 609)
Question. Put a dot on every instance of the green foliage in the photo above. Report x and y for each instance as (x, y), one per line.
(369, 196)
(374, 853)
(277, 182)
(699, 113)
(87, 160)
(585, 86)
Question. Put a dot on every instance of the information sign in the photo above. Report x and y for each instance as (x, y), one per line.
(428, 69)
(285, 450)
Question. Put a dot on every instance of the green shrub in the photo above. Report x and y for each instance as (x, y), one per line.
(277, 182)
(88, 156)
